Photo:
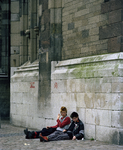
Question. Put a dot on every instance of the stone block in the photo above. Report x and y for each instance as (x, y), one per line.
(15, 50)
(58, 15)
(15, 60)
(15, 39)
(114, 45)
(51, 4)
(117, 101)
(58, 4)
(103, 117)
(94, 31)
(90, 116)
(13, 108)
(117, 79)
(66, 99)
(82, 114)
(105, 87)
(71, 26)
(15, 17)
(58, 86)
(39, 123)
(16, 119)
(103, 101)
(23, 23)
(117, 87)
(94, 19)
(102, 46)
(89, 99)
(85, 33)
(116, 120)
(40, 10)
(80, 100)
(115, 16)
(90, 85)
(94, 38)
(15, 27)
(15, 7)
(90, 131)
(23, 50)
(75, 85)
(110, 31)
(111, 5)
(82, 12)
(107, 134)
(63, 3)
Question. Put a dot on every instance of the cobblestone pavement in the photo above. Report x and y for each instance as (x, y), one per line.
(13, 138)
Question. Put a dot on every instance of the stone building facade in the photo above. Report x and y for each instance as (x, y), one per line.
(68, 52)
(4, 59)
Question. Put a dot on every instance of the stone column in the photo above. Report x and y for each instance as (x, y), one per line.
(5, 29)
(23, 27)
(55, 28)
(15, 34)
(33, 23)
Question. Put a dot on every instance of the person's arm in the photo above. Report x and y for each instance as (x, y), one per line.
(64, 123)
(54, 126)
(57, 122)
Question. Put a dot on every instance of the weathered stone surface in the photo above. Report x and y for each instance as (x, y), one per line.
(15, 7)
(24, 94)
(85, 33)
(97, 98)
(110, 31)
(15, 50)
(111, 134)
(15, 17)
(114, 45)
(111, 5)
(70, 26)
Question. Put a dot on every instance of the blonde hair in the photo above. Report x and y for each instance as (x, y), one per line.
(63, 109)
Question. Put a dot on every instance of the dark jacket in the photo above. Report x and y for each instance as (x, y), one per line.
(76, 129)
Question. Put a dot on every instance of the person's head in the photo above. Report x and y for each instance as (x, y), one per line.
(74, 116)
(63, 111)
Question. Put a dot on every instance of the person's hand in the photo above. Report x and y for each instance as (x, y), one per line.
(64, 130)
(74, 138)
(48, 127)
(58, 116)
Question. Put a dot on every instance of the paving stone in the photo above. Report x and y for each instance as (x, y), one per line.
(12, 138)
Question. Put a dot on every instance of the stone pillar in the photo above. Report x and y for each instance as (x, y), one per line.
(15, 33)
(33, 23)
(44, 59)
(55, 28)
(23, 27)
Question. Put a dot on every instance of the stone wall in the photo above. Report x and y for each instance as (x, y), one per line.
(91, 27)
(92, 86)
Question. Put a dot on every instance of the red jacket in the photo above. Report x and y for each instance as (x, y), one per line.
(64, 123)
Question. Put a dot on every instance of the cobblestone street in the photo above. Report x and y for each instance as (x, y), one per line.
(13, 138)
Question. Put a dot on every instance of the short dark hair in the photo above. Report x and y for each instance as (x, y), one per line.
(74, 114)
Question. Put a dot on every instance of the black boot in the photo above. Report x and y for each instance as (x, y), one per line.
(29, 134)
(26, 131)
